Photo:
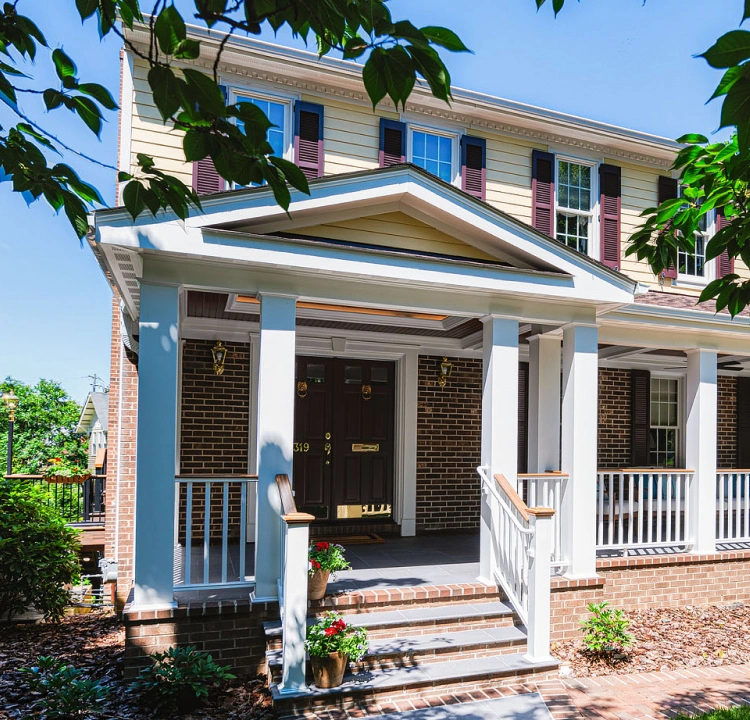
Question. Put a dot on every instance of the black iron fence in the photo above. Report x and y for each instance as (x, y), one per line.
(78, 501)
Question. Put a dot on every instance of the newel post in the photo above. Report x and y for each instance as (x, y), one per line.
(538, 641)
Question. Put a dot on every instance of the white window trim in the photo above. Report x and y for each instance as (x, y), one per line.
(681, 401)
(594, 213)
(455, 137)
(709, 265)
(237, 92)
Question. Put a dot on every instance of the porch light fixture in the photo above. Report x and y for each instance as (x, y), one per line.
(446, 370)
(219, 353)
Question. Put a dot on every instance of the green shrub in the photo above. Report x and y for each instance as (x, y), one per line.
(65, 693)
(181, 678)
(38, 552)
(606, 629)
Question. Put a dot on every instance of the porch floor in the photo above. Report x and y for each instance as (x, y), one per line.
(439, 559)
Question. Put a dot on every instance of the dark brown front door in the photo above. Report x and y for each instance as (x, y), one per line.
(344, 419)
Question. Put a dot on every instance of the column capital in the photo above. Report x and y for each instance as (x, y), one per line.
(696, 351)
(577, 324)
(279, 296)
(498, 316)
(556, 337)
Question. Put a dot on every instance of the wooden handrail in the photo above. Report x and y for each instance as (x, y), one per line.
(288, 506)
(732, 470)
(23, 476)
(523, 509)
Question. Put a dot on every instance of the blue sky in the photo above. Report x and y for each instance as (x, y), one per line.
(625, 62)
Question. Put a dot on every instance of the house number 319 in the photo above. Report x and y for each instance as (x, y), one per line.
(301, 447)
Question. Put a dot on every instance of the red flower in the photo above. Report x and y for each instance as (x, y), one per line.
(340, 625)
(315, 564)
(322, 546)
(331, 631)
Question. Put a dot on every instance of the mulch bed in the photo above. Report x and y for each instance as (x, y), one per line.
(95, 643)
(670, 638)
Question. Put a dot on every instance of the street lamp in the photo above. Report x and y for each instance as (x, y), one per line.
(11, 403)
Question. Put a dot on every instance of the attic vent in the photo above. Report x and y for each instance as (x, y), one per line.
(122, 257)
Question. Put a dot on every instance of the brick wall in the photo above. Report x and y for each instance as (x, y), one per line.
(449, 424)
(614, 418)
(726, 429)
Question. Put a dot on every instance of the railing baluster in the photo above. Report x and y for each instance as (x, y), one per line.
(746, 491)
(243, 530)
(225, 532)
(188, 532)
(206, 529)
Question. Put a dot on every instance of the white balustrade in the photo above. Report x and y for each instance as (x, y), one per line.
(214, 531)
(733, 505)
(546, 490)
(643, 509)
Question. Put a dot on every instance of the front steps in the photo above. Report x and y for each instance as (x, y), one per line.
(427, 642)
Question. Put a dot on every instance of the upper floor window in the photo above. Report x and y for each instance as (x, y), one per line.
(694, 266)
(279, 113)
(665, 419)
(574, 205)
(434, 152)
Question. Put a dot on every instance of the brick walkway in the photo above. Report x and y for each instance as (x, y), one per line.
(657, 695)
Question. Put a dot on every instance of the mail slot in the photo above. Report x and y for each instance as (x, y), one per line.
(361, 447)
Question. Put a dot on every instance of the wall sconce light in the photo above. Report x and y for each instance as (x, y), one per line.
(219, 353)
(446, 370)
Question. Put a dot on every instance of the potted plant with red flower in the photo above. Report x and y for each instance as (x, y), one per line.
(324, 558)
(331, 644)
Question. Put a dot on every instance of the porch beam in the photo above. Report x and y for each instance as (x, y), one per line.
(499, 449)
(579, 443)
(156, 464)
(700, 445)
(275, 425)
(544, 403)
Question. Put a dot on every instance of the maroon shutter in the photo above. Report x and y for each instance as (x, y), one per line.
(668, 191)
(308, 138)
(543, 192)
(474, 166)
(640, 417)
(610, 193)
(523, 417)
(392, 143)
(205, 178)
(724, 264)
(743, 422)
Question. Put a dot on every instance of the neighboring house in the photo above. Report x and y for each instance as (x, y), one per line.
(453, 293)
(93, 423)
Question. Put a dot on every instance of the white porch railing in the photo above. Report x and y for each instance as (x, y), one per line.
(733, 505)
(214, 531)
(547, 490)
(521, 555)
(641, 508)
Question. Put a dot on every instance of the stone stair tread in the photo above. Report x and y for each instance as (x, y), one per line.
(528, 706)
(419, 613)
(464, 639)
(439, 672)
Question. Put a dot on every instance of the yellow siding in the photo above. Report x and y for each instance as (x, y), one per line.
(396, 230)
(509, 175)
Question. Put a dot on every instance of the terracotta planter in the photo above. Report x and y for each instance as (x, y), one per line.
(316, 584)
(328, 672)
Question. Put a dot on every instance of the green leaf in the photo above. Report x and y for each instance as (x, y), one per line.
(166, 90)
(444, 38)
(373, 77)
(187, 49)
(132, 197)
(169, 29)
(52, 98)
(100, 94)
(730, 49)
(76, 213)
(729, 78)
(692, 139)
(746, 11)
(294, 176)
(196, 145)
(64, 66)
(86, 8)
(89, 113)
(736, 111)
(205, 92)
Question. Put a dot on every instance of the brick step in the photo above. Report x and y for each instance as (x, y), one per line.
(419, 620)
(356, 601)
(393, 684)
(423, 649)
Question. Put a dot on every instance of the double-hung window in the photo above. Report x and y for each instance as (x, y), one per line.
(693, 267)
(435, 152)
(279, 113)
(665, 422)
(574, 205)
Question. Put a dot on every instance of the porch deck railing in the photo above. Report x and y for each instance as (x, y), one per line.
(547, 490)
(521, 553)
(733, 505)
(642, 508)
(79, 502)
(214, 530)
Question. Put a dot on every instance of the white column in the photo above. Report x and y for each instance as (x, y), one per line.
(407, 450)
(579, 442)
(295, 603)
(700, 447)
(544, 403)
(275, 434)
(499, 420)
(158, 363)
(537, 646)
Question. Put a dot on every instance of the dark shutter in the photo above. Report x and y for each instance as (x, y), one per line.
(474, 166)
(640, 417)
(743, 422)
(392, 142)
(668, 191)
(308, 138)
(205, 178)
(724, 264)
(543, 192)
(610, 193)
(523, 417)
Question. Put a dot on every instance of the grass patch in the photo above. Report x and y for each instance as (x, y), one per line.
(735, 713)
